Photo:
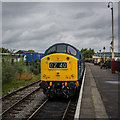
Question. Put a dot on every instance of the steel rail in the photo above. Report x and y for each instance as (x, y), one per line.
(19, 89)
(7, 110)
(66, 110)
(33, 114)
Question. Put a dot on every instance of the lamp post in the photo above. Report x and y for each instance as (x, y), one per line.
(110, 50)
(104, 53)
(100, 53)
(110, 5)
(97, 53)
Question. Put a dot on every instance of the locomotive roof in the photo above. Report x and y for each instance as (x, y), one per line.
(77, 51)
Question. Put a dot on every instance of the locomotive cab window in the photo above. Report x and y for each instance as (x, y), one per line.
(51, 50)
(71, 50)
(61, 48)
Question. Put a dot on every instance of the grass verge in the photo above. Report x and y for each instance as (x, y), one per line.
(15, 84)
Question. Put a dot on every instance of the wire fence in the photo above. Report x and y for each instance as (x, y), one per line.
(108, 64)
(117, 65)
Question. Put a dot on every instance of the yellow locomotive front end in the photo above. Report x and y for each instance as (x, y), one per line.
(59, 67)
(60, 70)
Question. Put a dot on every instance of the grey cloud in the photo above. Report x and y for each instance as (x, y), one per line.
(38, 25)
(38, 33)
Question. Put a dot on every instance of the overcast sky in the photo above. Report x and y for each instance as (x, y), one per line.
(37, 25)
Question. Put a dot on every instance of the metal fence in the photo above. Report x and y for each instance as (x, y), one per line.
(117, 65)
(108, 64)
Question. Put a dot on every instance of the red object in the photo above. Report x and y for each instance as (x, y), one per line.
(113, 65)
(95, 63)
(44, 75)
(62, 83)
(72, 75)
(55, 91)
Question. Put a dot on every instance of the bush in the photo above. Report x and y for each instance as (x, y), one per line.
(109, 59)
(8, 72)
(34, 70)
(24, 76)
(118, 59)
(35, 67)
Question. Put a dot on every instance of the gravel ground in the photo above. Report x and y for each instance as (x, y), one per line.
(27, 110)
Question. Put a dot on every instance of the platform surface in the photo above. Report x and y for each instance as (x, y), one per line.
(100, 93)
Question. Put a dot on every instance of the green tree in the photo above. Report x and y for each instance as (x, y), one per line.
(4, 50)
(31, 51)
(87, 53)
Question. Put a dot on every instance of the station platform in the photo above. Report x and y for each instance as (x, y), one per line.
(100, 94)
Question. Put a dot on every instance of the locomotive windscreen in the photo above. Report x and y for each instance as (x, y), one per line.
(62, 49)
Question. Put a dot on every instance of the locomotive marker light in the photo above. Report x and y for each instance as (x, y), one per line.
(50, 83)
(110, 5)
(65, 83)
(44, 75)
(72, 75)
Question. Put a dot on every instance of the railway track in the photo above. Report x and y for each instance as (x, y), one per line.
(18, 90)
(55, 109)
(17, 103)
(10, 101)
(51, 109)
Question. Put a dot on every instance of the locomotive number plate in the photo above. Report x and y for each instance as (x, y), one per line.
(57, 65)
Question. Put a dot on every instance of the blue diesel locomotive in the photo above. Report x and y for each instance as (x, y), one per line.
(61, 70)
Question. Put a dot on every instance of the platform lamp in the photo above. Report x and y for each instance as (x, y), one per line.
(110, 49)
(97, 53)
(104, 53)
(100, 53)
(110, 5)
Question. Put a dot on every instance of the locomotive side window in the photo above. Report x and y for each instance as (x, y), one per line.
(51, 50)
(61, 48)
(71, 50)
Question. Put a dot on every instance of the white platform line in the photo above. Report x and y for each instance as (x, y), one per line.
(77, 112)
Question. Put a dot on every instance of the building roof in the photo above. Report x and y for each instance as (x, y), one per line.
(107, 54)
(26, 52)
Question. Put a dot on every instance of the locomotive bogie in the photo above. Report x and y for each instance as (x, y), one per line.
(65, 89)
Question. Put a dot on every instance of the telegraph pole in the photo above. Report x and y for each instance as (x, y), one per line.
(110, 5)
